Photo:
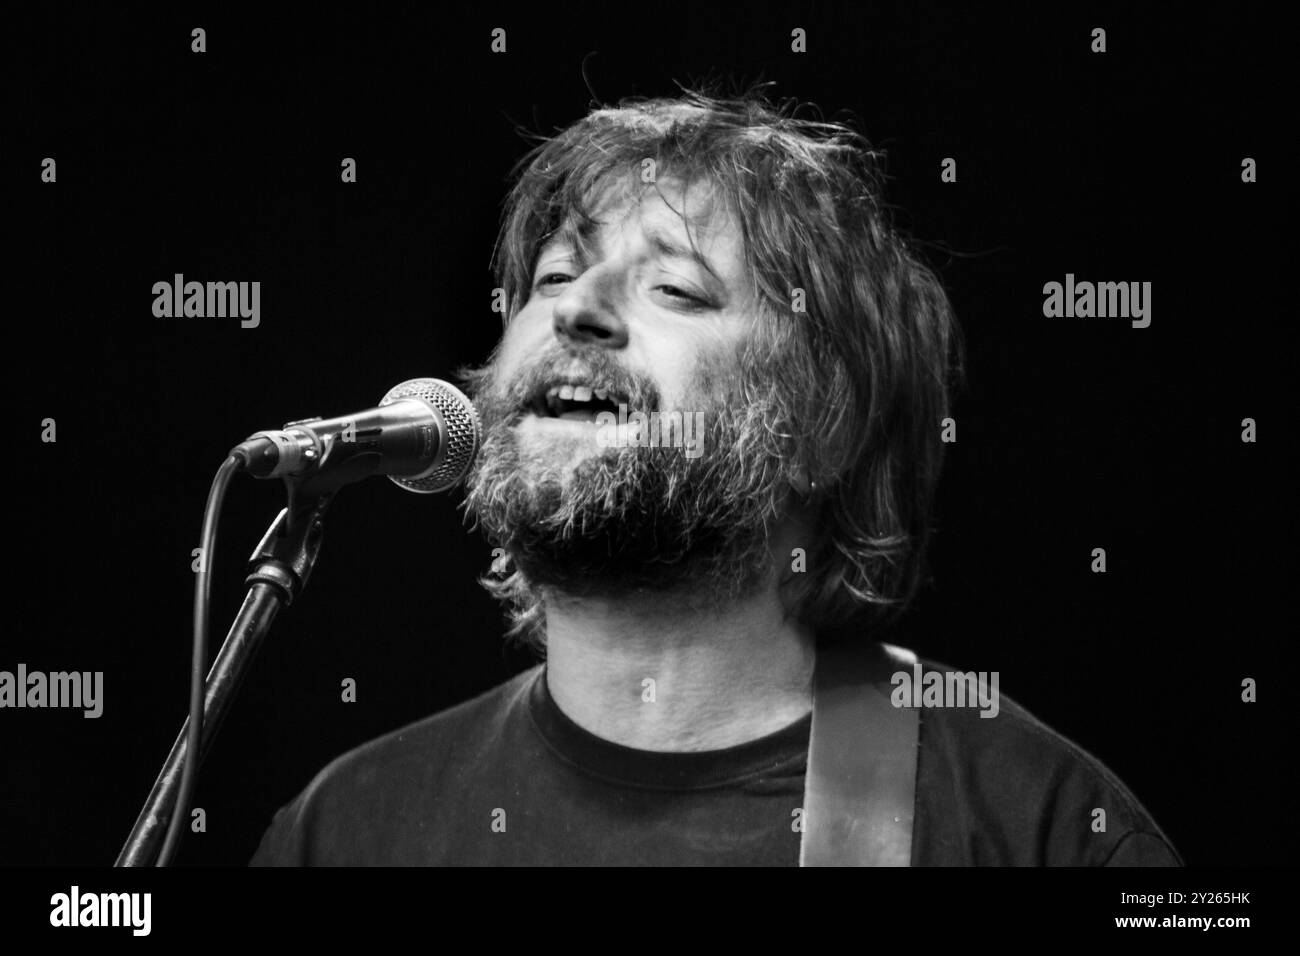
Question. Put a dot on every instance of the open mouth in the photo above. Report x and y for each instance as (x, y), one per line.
(574, 402)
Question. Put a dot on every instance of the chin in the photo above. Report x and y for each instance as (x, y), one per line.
(557, 443)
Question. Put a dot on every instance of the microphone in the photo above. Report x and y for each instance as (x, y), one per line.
(423, 435)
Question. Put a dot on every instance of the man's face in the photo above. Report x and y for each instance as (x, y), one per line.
(638, 297)
(637, 315)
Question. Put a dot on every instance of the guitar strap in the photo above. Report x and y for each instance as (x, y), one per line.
(860, 787)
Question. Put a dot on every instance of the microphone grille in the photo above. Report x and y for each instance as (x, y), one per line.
(461, 425)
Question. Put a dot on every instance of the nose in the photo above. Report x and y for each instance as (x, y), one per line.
(586, 312)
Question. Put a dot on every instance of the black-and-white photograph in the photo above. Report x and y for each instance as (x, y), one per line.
(833, 435)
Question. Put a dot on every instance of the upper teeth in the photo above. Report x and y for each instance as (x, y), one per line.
(576, 393)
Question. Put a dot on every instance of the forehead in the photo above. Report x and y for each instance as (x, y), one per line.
(688, 218)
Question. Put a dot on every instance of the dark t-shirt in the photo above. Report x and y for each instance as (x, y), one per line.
(508, 779)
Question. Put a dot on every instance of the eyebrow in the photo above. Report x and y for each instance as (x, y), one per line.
(583, 239)
(670, 248)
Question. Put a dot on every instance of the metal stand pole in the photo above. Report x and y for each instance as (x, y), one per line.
(280, 567)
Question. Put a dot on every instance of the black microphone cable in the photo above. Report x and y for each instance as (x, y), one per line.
(199, 655)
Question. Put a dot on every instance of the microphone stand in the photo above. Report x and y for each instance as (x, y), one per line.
(280, 568)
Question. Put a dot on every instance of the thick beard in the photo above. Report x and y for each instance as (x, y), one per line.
(634, 519)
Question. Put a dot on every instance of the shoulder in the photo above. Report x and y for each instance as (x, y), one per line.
(997, 786)
(459, 728)
(393, 778)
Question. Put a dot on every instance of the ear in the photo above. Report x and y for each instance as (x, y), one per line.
(802, 484)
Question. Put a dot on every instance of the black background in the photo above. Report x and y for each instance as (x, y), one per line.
(1072, 434)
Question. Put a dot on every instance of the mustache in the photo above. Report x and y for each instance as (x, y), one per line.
(506, 402)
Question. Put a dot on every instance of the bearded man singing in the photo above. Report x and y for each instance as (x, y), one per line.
(711, 436)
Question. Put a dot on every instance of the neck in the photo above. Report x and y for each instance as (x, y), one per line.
(647, 674)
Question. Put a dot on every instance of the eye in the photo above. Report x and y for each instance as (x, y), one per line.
(551, 278)
(677, 292)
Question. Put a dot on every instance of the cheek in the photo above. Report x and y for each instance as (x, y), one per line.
(525, 336)
(677, 350)
(677, 383)
(688, 368)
